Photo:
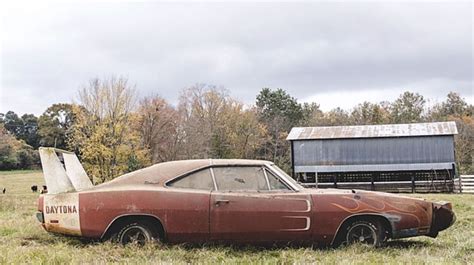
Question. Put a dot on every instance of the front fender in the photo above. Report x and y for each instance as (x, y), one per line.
(389, 222)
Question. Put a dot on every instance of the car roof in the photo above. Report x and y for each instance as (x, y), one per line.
(162, 172)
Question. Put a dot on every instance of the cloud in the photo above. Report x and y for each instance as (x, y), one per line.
(336, 52)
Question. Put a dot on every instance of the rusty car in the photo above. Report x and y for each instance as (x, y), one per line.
(224, 200)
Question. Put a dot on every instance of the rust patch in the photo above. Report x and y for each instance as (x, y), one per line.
(57, 228)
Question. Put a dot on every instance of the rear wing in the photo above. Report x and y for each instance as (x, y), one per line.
(63, 177)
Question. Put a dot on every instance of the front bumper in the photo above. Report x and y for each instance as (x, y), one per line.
(443, 217)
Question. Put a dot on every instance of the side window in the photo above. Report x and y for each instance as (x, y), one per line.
(200, 180)
(275, 182)
(240, 178)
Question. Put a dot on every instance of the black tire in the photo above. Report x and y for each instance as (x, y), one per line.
(368, 232)
(139, 233)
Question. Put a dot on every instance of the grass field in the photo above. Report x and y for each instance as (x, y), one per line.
(22, 240)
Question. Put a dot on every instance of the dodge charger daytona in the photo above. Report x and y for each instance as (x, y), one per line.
(224, 200)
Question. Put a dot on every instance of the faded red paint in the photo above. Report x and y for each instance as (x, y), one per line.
(304, 215)
(250, 217)
(412, 213)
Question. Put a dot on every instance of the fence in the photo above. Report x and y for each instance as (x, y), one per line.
(429, 181)
(464, 184)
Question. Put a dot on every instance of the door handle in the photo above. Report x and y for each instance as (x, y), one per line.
(219, 202)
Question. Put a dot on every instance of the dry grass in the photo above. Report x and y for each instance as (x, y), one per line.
(22, 240)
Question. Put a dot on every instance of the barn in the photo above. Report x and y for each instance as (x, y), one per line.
(417, 157)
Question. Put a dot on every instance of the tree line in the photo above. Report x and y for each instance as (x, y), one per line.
(114, 132)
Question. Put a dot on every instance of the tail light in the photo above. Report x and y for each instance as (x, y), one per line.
(39, 213)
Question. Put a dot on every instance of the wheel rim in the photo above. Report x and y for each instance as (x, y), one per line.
(135, 235)
(362, 233)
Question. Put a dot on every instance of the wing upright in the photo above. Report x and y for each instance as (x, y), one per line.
(60, 177)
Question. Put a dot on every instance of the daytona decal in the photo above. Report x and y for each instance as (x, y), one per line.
(61, 213)
(61, 209)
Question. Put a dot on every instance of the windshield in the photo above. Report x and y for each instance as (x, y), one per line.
(286, 177)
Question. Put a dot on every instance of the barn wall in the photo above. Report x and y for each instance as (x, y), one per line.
(374, 151)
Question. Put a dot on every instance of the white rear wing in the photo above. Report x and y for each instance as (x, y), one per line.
(61, 178)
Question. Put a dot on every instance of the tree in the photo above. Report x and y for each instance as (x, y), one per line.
(238, 134)
(369, 113)
(464, 143)
(54, 125)
(30, 130)
(157, 124)
(312, 114)
(408, 108)
(336, 117)
(278, 105)
(212, 124)
(24, 127)
(454, 106)
(8, 158)
(203, 110)
(246, 135)
(102, 132)
(13, 123)
(14, 153)
(279, 112)
(200, 108)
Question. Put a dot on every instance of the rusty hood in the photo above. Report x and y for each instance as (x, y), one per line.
(361, 200)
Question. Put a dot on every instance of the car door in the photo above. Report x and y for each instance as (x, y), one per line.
(187, 203)
(245, 207)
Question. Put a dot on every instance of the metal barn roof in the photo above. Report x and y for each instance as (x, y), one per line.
(373, 131)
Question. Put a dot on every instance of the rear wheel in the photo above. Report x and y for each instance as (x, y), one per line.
(368, 232)
(138, 233)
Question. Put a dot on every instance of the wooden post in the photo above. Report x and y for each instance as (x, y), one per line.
(316, 179)
(292, 160)
(372, 185)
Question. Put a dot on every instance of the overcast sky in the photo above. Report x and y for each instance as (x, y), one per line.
(336, 54)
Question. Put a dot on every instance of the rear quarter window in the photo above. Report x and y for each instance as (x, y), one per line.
(200, 180)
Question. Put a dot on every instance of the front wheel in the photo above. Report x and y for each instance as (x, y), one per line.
(368, 232)
(138, 233)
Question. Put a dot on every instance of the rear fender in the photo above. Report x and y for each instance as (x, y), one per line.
(123, 219)
(61, 213)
